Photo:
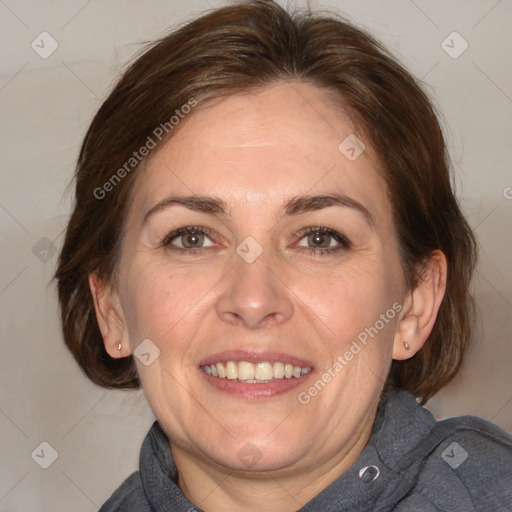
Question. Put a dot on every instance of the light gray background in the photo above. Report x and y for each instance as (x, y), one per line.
(46, 105)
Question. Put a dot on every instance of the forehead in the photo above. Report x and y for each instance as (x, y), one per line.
(263, 147)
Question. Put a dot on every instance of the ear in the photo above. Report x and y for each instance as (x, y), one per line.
(421, 306)
(110, 317)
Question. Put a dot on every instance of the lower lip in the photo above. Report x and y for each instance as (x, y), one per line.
(240, 389)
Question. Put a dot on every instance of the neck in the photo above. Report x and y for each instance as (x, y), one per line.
(215, 488)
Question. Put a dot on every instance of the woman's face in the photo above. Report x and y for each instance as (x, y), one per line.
(289, 258)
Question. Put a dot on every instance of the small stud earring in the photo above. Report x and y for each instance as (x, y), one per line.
(406, 345)
(119, 346)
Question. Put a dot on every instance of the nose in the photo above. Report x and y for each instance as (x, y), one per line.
(254, 295)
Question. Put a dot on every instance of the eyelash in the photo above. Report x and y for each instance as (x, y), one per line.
(183, 231)
(343, 241)
(315, 251)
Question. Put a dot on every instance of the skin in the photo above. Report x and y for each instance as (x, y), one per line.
(255, 152)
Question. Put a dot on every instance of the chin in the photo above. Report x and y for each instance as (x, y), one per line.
(259, 453)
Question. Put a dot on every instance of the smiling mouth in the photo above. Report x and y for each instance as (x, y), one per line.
(258, 373)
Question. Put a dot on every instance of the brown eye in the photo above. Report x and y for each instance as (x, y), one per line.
(192, 240)
(319, 240)
(188, 238)
(323, 240)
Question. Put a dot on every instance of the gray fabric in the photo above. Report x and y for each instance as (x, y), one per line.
(420, 468)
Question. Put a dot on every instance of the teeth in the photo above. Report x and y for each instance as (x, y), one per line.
(220, 370)
(245, 370)
(231, 370)
(263, 371)
(255, 373)
(278, 370)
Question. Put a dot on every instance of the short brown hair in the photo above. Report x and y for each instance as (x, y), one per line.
(244, 47)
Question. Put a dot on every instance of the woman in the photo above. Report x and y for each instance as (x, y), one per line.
(266, 240)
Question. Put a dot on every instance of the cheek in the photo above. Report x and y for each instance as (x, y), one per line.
(158, 302)
(356, 304)
(147, 300)
(355, 292)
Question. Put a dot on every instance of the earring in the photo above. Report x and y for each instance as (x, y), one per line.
(406, 345)
(119, 346)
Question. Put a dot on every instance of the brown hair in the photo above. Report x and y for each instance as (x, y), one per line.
(241, 48)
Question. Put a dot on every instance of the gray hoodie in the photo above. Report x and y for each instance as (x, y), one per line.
(411, 463)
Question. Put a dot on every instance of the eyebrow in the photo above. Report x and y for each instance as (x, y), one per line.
(303, 204)
(294, 206)
(203, 204)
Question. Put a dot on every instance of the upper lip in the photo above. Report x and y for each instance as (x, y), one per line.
(255, 356)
